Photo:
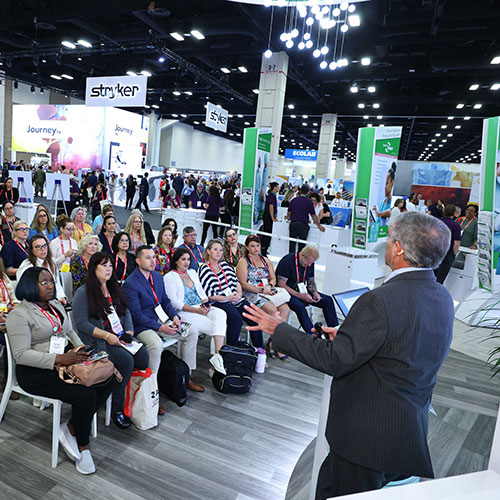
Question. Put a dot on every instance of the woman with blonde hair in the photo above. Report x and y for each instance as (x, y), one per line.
(135, 229)
(87, 247)
(43, 224)
(81, 227)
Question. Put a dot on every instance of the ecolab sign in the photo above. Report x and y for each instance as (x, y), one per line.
(127, 91)
(301, 154)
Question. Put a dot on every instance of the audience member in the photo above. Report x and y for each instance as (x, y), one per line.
(102, 319)
(8, 192)
(233, 251)
(87, 247)
(8, 220)
(97, 224)
(150, 238)
(31, 326)
(221, 285)
(135, 229)
(16, 250)
(107, 233)
(124, 260)
(78, 216)
(164, 250)
(63, 247)
(43, 224)
(295, 273)
(196, 251)
(186, 294)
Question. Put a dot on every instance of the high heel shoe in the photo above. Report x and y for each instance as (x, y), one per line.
(269, 349)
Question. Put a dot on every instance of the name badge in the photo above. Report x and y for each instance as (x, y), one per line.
(227, 292)
(265, 282)
(114, 321)
(162, 316)
(198, 204)
(57, 344)
(65, 268)
(302, 287)
(3, 308)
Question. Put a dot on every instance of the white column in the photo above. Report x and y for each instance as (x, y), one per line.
(325, 146)
(272, 87)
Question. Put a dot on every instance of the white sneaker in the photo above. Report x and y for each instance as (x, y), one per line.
(218, 363)
(86, 464)
(69, 443)
(37, 403)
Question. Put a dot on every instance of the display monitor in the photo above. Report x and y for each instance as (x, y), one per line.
(345, 300)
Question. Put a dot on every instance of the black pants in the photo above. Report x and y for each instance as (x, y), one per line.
(144, 200)
(339, 477)
(130, 199)
(267, 227)
(444, 268)
(84, 401)
(215, 227)
(235, 322)
(298, 230)
(125, 363)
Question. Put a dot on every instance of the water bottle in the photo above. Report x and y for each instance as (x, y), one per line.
(260, 366)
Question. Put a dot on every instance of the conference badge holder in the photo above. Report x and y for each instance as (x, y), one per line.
(161, 314)
(302, 287)
(57, 344)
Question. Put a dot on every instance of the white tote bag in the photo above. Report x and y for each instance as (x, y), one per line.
(279, 298)
(142, 399)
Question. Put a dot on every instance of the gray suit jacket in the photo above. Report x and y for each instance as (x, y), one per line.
(384, 361)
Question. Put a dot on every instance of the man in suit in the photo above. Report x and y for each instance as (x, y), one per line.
(145, 291)
(384, 359)
(144, 193)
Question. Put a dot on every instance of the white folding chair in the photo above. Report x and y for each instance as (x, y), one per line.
(12, 385)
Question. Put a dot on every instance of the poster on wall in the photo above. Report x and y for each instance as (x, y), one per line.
(256, 151)
(80, 137)
(377, 154)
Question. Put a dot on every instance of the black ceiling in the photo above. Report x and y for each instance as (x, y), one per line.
(425, 54)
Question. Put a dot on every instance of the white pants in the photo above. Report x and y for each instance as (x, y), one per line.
(153, 343)
(214, 323)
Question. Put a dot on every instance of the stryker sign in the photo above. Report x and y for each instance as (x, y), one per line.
(216, 117)
(127, 91)
(301, 154)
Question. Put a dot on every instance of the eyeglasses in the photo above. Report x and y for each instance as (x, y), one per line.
(47, 283)
(191, 235)
(22, 229)
(40, 247)
(42, 215)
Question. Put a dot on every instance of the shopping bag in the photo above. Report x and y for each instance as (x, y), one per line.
(142, 399)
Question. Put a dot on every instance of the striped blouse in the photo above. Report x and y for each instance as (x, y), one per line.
(215, 284)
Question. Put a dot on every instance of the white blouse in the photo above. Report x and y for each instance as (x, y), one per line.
(59, 247)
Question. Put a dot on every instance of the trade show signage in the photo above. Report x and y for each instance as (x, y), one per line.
(127, 91)
(301, 154)
(256, 151)
(216, 117)
(488, 227)
(377, 154)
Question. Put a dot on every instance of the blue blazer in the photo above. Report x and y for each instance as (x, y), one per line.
(51, 236)
(141, 301)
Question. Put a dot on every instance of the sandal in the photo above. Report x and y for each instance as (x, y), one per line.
(270, 351)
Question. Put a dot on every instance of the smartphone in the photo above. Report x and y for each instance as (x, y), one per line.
(318, 326)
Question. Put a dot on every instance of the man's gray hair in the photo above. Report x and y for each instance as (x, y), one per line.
(187, 230)
(424, 239)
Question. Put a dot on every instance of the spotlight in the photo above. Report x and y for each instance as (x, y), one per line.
(32, 89)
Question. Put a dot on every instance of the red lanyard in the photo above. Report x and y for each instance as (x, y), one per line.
(231, 253)
(151, 283)
(56, 325)
(470, 222)
(109, 241)
(215, 274)
(6, 193)
(85, 262)
(1, 237)
(81, 232)
(262, 259)
(297, 269)
(62, 244)
(17, 243)
(134, 246)
(9, 225)
(5, 292)
(124, 266)
(194, 256)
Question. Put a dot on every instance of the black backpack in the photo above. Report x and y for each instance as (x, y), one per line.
(173, 378)
(239, 362)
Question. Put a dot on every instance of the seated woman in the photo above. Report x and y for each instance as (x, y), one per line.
(184, 290)
(8, 220)
(102, 319)
(16, 250)
(258, 280)
(108, 232)
(150, 238)
(221, 286)
(233, 251)
(164, 250)
(8, 302)
(43, 224)
(30, 327)
(172, 224)
(78, 216)
(39, 255)
(135, 229)
(172, 200)
(124, 260)
(9, 192)
(87, 247)
(64, 247)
